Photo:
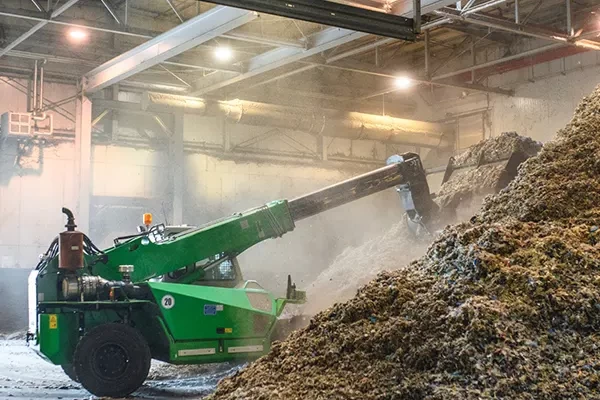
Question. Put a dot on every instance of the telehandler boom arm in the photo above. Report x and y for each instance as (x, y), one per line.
(234, 234)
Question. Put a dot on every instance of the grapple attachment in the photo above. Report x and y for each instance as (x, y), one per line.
(414, 192)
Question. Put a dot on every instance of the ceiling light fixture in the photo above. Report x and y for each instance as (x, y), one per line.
(403, 82)
(77, 35)
(223, 53)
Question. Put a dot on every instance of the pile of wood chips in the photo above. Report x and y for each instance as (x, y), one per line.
(504, 306)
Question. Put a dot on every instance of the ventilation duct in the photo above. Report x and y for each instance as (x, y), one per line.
(325, 122)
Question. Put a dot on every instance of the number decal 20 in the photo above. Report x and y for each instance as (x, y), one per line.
(168, 301)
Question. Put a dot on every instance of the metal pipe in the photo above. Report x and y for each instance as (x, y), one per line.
(569, 19)
(533, 10)
(475, 9)
(473, 58)
(99, 117)
(499, 61)
(436, 23)
(231, 35)
(322, 122)
(484, 6)
(504, 25)
(174, 10)
(37, 27)
(111, 12)
(35, 85)
(467, 6)
(360, 49)
(71, 24)
(41, 100)
(427, 60)
(417, 16)
(174, 75)
(516, 11)
(38, 6)
(246, 37)
(370, 46)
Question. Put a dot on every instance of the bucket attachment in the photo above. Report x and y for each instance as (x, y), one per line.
(510, 167)
(464, 186)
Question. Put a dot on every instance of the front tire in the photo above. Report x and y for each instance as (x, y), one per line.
(70, 372)
(112, 360)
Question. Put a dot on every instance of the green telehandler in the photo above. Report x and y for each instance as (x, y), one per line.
(177, 294)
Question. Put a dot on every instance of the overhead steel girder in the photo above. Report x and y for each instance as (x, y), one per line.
(519, 29)
(276, 58)
(148, 34)
(405, 7)
(37, 27)
(190, 34)
(332, 14)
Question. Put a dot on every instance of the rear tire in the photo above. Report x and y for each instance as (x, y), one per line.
(70, 371)
(112, 360)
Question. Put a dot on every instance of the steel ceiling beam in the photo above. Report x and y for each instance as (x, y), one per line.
(332, 14)
(373, 5)
(472, 87)
(276, 58)
(392, 75)
(106, 29)
(110, 11)
(501, 60)
(268, 41)
(148, 34)
(186, 36)
(38, 5)
(37, 27)
(519, 29)
(88, 63)
(403, 7)
(175, 10)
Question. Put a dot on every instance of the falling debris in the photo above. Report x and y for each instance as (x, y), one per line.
(504, 306)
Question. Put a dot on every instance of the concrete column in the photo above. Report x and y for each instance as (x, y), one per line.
(176, 164)
(83, 161)
(114, 130)
(226, 134)
(322, 147)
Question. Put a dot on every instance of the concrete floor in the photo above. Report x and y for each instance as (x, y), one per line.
(24, 375)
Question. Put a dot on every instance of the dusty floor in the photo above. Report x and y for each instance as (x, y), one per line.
(24, 375)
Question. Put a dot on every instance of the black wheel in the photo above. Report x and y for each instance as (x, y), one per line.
(70, 371)
(112, 360)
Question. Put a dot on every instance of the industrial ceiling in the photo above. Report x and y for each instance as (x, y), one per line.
(177, 46)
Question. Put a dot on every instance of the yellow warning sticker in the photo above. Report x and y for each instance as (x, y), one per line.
(53, 321)
(228, 330)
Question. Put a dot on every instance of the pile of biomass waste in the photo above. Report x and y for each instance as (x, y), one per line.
(459, 198)
(470, 183)
(504, 306)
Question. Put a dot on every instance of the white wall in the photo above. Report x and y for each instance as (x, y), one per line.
(545, 97)
(30, 202)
